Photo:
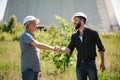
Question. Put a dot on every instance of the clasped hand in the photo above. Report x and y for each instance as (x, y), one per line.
(57, 49)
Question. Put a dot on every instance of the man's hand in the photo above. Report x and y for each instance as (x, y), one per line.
(57, 48)
(102, 67)
(40, 74)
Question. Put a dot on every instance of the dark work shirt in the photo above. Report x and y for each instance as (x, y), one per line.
(87, 47)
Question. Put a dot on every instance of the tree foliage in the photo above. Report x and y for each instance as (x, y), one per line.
(10, 30)
(57, 36)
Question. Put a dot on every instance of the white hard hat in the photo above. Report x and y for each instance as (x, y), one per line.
(80, 14)
(30, 18)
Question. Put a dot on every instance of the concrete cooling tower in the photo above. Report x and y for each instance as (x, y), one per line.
(99, 12)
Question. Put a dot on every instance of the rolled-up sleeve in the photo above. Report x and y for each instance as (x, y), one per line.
(99, 42)
(71, 46)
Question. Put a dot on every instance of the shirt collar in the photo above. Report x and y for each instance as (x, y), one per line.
(78, 32)
(29, 32)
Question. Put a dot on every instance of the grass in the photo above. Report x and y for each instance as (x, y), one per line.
(10, 62)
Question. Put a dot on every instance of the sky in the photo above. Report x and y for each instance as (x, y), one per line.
(116, 6)
(115, 3)
(2, 8)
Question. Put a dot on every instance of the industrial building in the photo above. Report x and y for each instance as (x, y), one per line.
(99, 12)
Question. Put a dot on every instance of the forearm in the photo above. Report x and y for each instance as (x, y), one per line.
(65, 50)
(42, 46)
(102, 56)
(102, 65)
(45, 46)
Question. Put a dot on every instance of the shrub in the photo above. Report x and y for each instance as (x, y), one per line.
(5, 36)
(11, 30)
(3, 26)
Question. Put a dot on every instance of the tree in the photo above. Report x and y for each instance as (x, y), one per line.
(3, 25)
(11, 28)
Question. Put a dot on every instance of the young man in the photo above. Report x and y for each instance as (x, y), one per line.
(85, 41)
(30, 55)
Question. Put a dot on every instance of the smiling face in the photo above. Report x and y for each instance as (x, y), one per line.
(78, 22)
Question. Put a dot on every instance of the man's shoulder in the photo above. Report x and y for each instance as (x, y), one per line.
(91, 30)
(75, 34)
(25, 35)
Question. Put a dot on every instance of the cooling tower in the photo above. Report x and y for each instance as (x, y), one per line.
(99, 12)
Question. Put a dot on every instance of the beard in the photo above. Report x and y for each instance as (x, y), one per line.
(78, 26)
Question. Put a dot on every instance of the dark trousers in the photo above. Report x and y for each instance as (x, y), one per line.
(29, 74)
(86, 69)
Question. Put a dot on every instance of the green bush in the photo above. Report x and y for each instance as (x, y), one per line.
(11, 30)
(5, 36)
(56, 36)
(3, 25)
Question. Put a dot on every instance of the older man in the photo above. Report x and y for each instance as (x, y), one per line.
(30, 55)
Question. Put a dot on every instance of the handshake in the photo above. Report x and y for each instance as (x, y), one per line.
(58, 49)
(61, 49)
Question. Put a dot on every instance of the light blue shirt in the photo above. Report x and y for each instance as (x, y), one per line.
(30, 55)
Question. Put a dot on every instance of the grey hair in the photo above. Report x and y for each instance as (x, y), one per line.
(27, 24)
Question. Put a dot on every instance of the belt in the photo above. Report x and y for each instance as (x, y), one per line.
(85, 60)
